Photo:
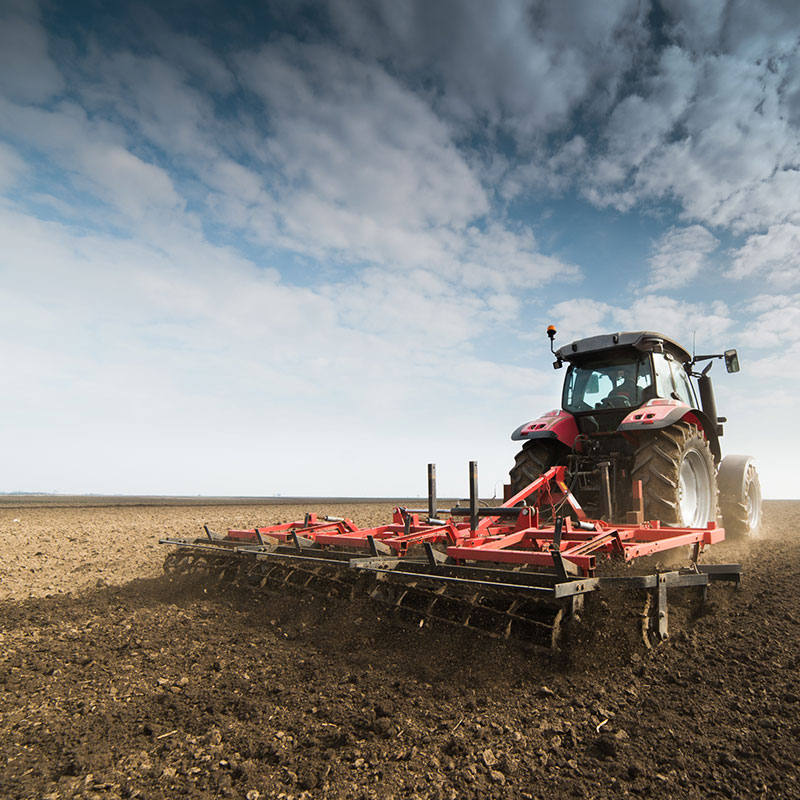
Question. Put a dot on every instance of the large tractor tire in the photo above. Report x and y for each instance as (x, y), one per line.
(678, 477)
(739, 497)
(535, 458)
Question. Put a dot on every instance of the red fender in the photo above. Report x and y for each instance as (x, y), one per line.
(661, 412)
(556, 424)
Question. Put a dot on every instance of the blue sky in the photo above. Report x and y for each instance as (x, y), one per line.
(305, 248)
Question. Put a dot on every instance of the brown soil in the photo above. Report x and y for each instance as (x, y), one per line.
(116, 682)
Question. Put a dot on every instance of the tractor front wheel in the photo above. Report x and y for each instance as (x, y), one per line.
(678, 478)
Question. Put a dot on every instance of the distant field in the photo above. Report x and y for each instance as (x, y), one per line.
(102, 500)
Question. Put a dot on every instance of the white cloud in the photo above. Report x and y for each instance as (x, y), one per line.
(774, 255)
(353, 137)
(697, 25)
(711, 130)
(679, 255)
(710, 120)
(195, 58)
(223, 356)
(678, 319)
(579, 317)
(761, 203)
(154, 96)
(775, 326)
(371, 174)
(639, 123)
(12, 167)
(93, 154)
(355, 169)
(524, 66)
(27, 73)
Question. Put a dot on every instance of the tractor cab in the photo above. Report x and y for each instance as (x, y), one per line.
(609, 376)
(605, 383)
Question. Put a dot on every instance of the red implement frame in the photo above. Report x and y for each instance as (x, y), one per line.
(508, 534)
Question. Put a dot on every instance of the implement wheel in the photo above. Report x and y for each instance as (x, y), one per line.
(678, 478)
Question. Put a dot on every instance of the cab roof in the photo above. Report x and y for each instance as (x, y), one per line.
(644, 341)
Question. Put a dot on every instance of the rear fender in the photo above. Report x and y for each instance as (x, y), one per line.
(662, 412)
(558, 425)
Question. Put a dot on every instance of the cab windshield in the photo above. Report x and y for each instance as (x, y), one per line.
(621, 381)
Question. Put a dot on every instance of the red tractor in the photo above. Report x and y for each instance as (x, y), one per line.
(630, 412)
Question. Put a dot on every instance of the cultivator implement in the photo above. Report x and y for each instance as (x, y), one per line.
(513, 571)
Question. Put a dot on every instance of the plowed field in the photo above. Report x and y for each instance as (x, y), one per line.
(117, 683)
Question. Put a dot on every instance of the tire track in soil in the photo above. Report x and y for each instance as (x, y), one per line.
(156, 689)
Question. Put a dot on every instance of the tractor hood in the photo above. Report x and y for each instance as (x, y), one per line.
(645, 341)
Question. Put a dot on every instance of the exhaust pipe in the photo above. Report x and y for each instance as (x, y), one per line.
(708, 402)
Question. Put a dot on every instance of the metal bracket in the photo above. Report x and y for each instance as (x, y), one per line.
(558, 563)
(378, 548)
(434, 556)
(557, 531)
(300, 541)
(722, 572)
(213, 536)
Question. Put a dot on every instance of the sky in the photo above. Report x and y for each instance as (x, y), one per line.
(305, 248)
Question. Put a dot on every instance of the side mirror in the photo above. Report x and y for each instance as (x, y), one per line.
(593, 384)
(731, 361)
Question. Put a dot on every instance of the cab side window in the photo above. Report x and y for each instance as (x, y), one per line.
(664, 384)
(683, 387)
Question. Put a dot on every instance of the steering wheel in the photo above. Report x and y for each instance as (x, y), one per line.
(615, 401)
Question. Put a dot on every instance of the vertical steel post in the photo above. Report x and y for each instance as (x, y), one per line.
(557, 531)
(473, 495)
(605, 489)
(662, 608)
(431, 491)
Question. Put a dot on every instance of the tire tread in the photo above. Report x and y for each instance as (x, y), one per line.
(657, 465)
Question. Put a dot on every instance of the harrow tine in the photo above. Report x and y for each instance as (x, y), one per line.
(378, 548)
(434, 556)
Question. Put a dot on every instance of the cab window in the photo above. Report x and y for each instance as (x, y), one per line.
(683, 386)
(612, 382)
(664, 384)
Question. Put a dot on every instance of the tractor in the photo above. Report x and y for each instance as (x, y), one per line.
(629, 413)
(629, 467)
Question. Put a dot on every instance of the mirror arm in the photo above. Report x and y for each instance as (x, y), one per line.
(695, 359)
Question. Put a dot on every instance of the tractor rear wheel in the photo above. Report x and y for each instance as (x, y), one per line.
(535, 458)
(678, 477)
